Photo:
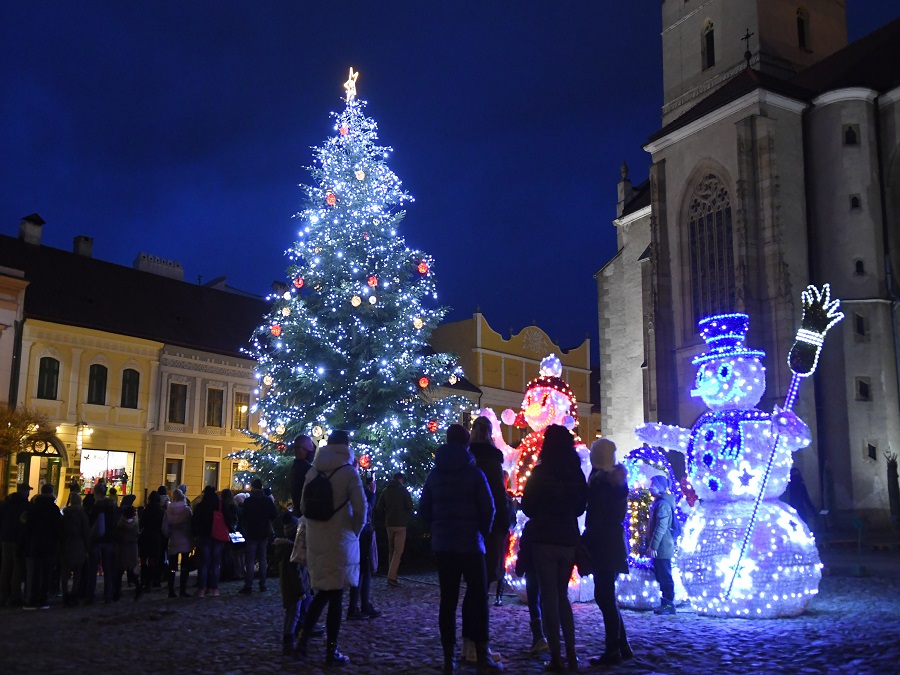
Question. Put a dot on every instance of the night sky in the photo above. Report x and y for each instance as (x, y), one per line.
(181, 129)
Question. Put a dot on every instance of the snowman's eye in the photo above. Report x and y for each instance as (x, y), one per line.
(724, 371)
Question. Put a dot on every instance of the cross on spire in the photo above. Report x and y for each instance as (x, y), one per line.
(747, 54)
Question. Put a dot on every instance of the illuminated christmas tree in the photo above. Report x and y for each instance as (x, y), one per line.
(346, 344)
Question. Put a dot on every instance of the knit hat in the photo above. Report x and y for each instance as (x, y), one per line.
(660, 483)
(603, 454)
(339, 437)
(457, 434)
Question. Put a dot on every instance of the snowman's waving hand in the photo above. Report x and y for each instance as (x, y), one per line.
(820, 313)
(664, 436)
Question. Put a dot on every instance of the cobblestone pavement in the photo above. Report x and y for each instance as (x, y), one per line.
(852, 626)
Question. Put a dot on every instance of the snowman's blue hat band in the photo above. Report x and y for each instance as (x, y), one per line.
(724, 336)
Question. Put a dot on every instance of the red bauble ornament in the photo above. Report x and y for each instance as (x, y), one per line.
(364, 462)
(298, 282)
(372, 281)
(275, 330)
(422, 267)
(432, 426)
(343, 130)
(423, 382)
(330, 199)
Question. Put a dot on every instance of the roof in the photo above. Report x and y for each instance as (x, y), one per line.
(872, 62)
(77, 290)
(639, 199)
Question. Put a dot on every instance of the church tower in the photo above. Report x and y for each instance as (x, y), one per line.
(706, 43)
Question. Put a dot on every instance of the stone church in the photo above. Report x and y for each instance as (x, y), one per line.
(777, 165)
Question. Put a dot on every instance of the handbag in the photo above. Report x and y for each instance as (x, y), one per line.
(219, 530)
(584, 561)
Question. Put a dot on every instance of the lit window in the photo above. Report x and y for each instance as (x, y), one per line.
(241, 417)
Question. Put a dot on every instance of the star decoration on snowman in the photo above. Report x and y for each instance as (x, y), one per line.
(745, 553)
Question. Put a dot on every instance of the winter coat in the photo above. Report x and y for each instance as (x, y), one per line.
(456, 502)
(178, 522)
(106, 508)
(11, 529)
(332, 546)
(259, 512)
(394, 505)
(42, 527)
(150, 538)
(604, 532)
(202, 520)
(490, 460)
(299, 469)
(659, 527)
(75, 538)
(553, 499)
(127, 544)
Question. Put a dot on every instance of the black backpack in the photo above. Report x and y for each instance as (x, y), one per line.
(318, 499)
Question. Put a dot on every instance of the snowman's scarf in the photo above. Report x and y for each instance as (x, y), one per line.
(731, 443)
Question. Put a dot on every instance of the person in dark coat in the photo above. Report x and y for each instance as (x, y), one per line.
(42, 530)
(150, 542)
(103, 543)
(74, 550)
(259, 512)
(12, 566)
(304, 450)
(127, 558)
(554, 497)
(457, 504)
(798, 497)
(209, 547)
(604, 536)
(360, 607)
(394, 506)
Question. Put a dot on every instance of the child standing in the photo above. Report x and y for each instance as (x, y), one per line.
(127, 559)
(661, 545)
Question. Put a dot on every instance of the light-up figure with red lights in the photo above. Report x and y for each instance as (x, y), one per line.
(548, 400)
(744, 552)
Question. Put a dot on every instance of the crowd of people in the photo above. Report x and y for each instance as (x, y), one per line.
(325, 542)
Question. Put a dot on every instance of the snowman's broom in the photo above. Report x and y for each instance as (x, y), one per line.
(820, 313)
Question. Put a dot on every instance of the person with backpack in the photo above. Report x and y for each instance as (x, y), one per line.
(334, 508)
(604, 536)
(259, 512)
(661, 543)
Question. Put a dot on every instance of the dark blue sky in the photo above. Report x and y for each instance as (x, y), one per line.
(182, 129)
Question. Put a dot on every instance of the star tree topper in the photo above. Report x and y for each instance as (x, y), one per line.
(350, 85)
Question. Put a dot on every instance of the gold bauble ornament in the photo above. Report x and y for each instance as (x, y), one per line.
(418, 323)
(285, 311)
(360, 174)
(268, 380)
(356, 301)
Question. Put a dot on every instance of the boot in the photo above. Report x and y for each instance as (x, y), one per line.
(468, 651)
(300, 644)
(572, 659)
(171, 582)
(333, 657)
(555, 665)
(486, 664)
(666, 607)
(287, 645)
(538, 643)
(449, 667)
(625, 650)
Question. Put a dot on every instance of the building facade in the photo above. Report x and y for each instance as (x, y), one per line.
(777, 166)
(141, 373)
(501, 368)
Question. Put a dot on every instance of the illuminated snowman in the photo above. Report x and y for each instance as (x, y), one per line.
(548, 400)
(744, 552)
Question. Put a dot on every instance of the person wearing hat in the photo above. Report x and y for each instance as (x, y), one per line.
(661, 545)
(604, 536)
(259, 513)
(11, 568)
(394, 506)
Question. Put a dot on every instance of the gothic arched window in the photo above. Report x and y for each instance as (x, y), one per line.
(711, 249)
(803, 28)
(708, 45)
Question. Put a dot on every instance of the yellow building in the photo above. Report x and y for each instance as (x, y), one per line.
(501, 368)
(140, 373)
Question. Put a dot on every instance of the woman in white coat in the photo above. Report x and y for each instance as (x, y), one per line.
(332, 545)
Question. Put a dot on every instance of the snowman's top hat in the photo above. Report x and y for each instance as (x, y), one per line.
(724, 335)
